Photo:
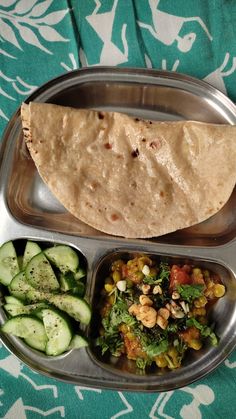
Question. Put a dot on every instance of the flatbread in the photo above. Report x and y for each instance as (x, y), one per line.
(129, 177)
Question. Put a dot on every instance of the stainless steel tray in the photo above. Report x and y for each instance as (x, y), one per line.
(28, 210)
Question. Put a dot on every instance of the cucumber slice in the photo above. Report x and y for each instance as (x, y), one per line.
(29, 328)
(13, 300)
(8, 263)
(72, 305)
(19, 286)
(81, 273)
(40, 274)
(79, 289)
(78, 342)
(16, 309)
(31, 250)
(21, 289)
(63, 257)
(67, 281)
(58, 331)
(34, 295)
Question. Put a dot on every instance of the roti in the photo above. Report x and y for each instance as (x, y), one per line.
(130, 177)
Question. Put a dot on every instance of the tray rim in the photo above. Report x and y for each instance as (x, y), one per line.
(100, 70)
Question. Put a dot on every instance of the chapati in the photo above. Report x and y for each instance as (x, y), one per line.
(130, 177)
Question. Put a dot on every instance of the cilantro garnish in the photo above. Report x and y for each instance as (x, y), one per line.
(156, 348)
(142, 363)
(118, 314)
(112, 342)
(162, 275)
(112, 339)
(205, 331)
(190, 292)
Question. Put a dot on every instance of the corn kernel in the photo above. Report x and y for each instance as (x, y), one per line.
(130, 336)
(206, 274)
(173, 357)
(195, 344)
(201, 311)
(108, 287)
(130, 262)
(209, 291)
(116, 276)
(108, 280)
(200, 302)
(219, 290)
(138, 277)
(144, 260)
(161, 361)
(172, 352)
(197, 271)
(129, 283)
(124, 328)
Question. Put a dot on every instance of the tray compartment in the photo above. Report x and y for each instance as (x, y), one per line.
(12, 341)
(148, 94)
(222, 315)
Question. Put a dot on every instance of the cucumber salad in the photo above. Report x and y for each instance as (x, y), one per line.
(153, 313)
(44, 296)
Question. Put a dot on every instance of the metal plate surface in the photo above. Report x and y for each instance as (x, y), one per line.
(28, 210)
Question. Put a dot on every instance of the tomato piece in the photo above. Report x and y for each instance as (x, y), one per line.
(178, 276)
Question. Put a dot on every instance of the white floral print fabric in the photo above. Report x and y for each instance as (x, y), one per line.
(41, 39)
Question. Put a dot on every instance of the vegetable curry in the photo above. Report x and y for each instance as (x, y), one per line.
(153, 313)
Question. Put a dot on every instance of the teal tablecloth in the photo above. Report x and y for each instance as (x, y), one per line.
(41, 39)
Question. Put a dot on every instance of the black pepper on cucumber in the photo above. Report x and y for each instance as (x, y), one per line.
(8, 263)
(63, 257)
(30, 328)
(44, 296)
(40, 274)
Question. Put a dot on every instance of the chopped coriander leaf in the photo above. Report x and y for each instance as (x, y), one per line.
(190, 292)
(164, 271)
(142, 363)
(151, 280)
(205, 331)
(156, 348)
(118, 314)
(172, 327)
(169, 362)
(164, 274)
(112, 342)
